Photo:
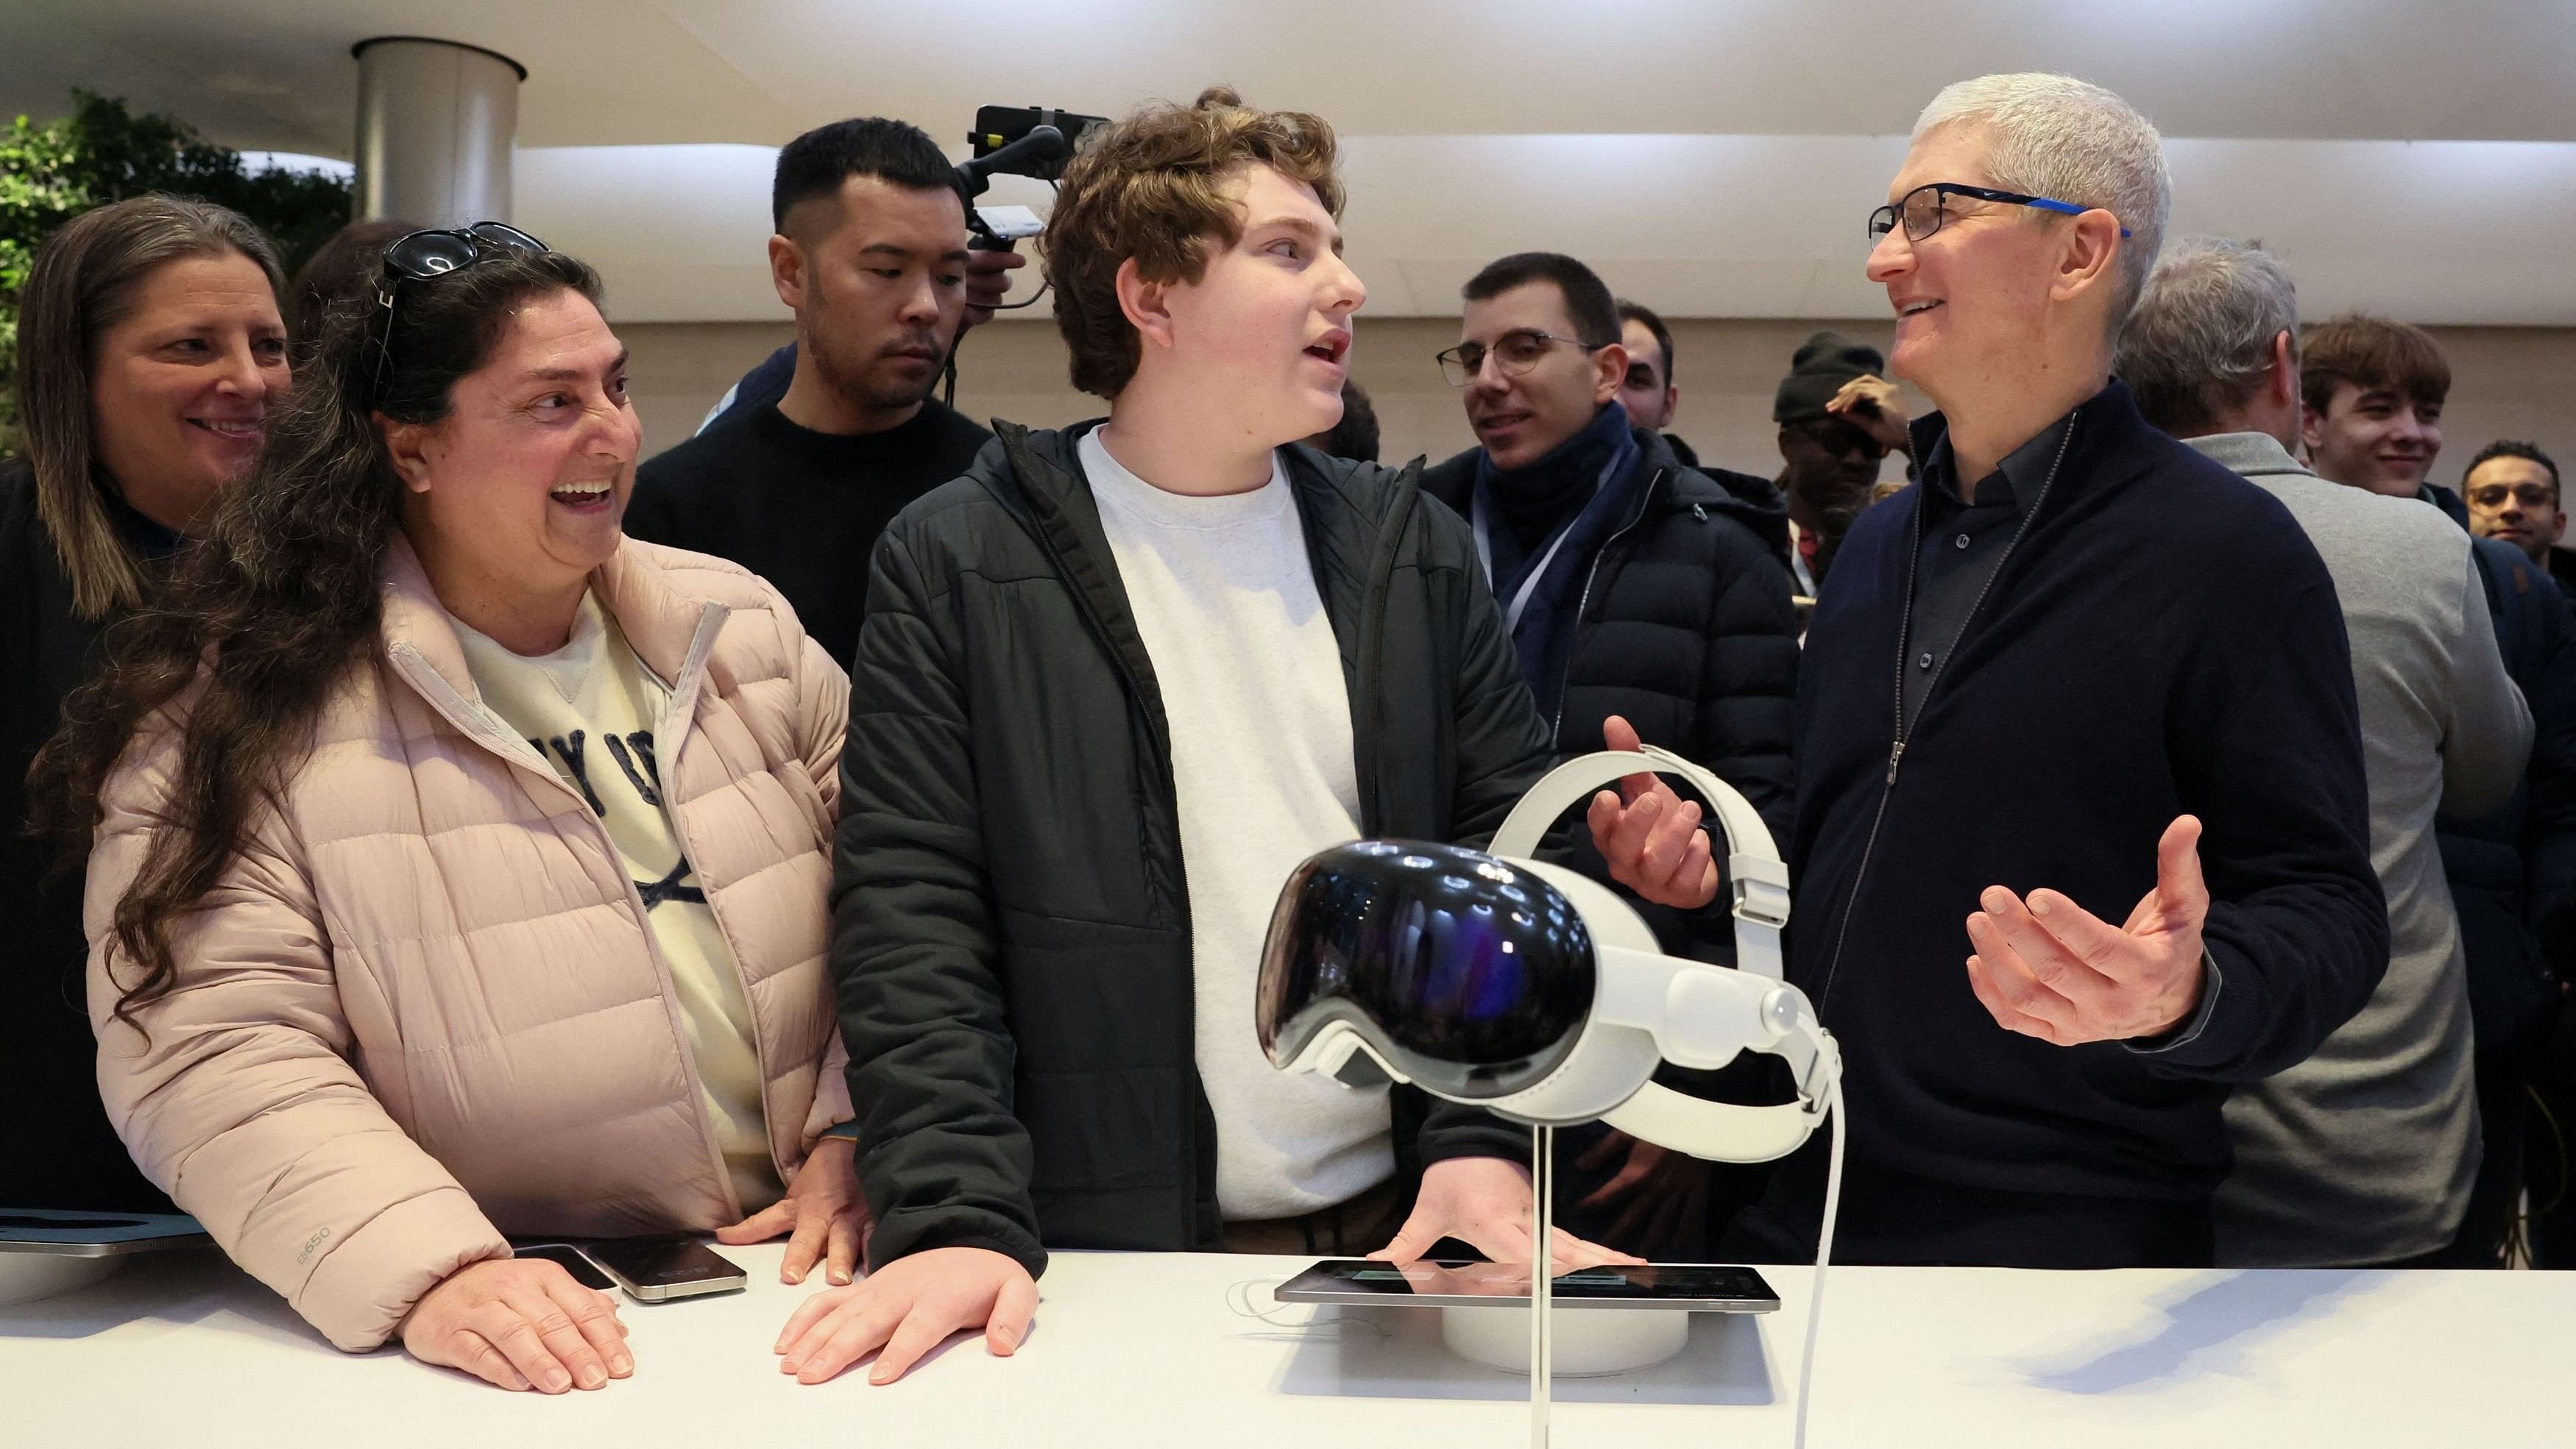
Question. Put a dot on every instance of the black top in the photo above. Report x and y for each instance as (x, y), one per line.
(1010, 916)
(56, 1149)
(2163, 641)
(1962, 543)
(801, 509)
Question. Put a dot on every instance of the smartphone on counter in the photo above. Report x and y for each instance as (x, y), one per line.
(569, 1258)
(664, 1266)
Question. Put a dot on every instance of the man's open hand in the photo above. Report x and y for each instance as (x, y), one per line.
(2051, 969)
(1651, 836)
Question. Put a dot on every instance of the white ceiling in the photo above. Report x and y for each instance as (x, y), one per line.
(1711, 157)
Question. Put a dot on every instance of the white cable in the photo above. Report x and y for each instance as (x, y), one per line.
(1824, 1246)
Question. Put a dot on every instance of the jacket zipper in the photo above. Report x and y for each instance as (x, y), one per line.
(1905, 727)
(484, 729)
(1556, 726)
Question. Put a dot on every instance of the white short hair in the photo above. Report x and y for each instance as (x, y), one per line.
(2199, 346)
(2069, 140)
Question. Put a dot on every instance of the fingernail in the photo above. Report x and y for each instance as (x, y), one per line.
(794, 1275)
(592, 1376)
(879, 1376)
(2039, 905)
(621, 1365)
(556, 1381)
(839, 1275)
(789, 1365)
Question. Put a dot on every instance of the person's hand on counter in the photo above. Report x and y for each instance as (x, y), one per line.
(909, 1307)
(823, 1209)
(1485, 1203)
(520, 1323)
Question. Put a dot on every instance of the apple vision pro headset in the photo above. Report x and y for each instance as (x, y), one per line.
(1500, 981)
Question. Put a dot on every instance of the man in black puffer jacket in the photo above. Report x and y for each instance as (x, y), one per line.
(1112, 688)
(1633, 586)
(1635, 589)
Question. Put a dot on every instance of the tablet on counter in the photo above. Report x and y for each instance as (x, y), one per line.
(1461, 1283)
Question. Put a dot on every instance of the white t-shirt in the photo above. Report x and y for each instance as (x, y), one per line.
(1251, 680)
(591, 709)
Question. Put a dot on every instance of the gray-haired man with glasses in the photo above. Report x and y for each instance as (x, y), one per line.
(1644, 598)
(2083, 693)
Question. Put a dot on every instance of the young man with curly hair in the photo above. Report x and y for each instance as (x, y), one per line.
(1119, 681)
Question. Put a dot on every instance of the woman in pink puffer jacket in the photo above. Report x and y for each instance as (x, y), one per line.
(460, 866)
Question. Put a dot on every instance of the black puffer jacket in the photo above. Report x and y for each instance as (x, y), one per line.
(1011, 929)
(56, 1149)
(1684, 627)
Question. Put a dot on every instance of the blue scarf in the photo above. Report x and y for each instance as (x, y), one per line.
(1549, 518)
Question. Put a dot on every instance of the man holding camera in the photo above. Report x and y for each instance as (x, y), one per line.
(871, 254)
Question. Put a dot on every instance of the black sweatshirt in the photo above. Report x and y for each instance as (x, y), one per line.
(801, 509)
(2163, 641)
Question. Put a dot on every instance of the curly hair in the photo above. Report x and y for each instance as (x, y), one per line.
(1153, 187)
(265, 616)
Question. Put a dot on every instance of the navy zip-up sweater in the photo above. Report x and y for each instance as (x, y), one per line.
(2163, 641)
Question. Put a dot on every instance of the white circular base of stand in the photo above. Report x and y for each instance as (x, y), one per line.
(1589, 1344)
(26, 1277)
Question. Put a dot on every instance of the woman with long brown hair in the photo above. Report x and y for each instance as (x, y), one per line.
(459, 864)
(150, 351)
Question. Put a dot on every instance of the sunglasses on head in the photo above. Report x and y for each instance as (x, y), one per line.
(424, 256)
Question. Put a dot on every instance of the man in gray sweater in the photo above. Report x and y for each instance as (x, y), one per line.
(2365, 1152)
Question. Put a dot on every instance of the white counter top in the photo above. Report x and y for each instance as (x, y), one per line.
(1154, 1349)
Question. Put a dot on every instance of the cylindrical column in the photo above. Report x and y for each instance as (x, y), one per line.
(435, 124)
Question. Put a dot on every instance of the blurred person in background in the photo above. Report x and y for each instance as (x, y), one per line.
(2513, 496)
(341, 273)
(2372, 393)
(151, 354)
(1838, 419)
(1355, 436)
(2365, 1153)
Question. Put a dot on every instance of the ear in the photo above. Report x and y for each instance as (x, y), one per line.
(2087, 256)
(2312, 428)
(1147, 305)
(1672, 405)
(1609, 369)
(787, 271)
(2285, 373)
(408, 443)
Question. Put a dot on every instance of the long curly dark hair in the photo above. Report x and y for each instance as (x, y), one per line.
(264, 617)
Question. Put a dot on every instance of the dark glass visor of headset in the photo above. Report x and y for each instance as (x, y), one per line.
(1472, 975)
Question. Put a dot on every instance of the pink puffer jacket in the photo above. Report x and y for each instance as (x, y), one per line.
(422, 1009)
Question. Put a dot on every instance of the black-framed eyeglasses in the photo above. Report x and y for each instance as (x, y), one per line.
(1923, 209)
(1514, 353)
(424, 256)
(2534, 497)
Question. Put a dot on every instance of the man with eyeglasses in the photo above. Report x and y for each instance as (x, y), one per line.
(2085, 693)
(2512, 493)
(1634, 586)
(1838, 422)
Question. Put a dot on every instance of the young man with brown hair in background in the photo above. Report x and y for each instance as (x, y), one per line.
(1119, 681)
(2372, 393)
